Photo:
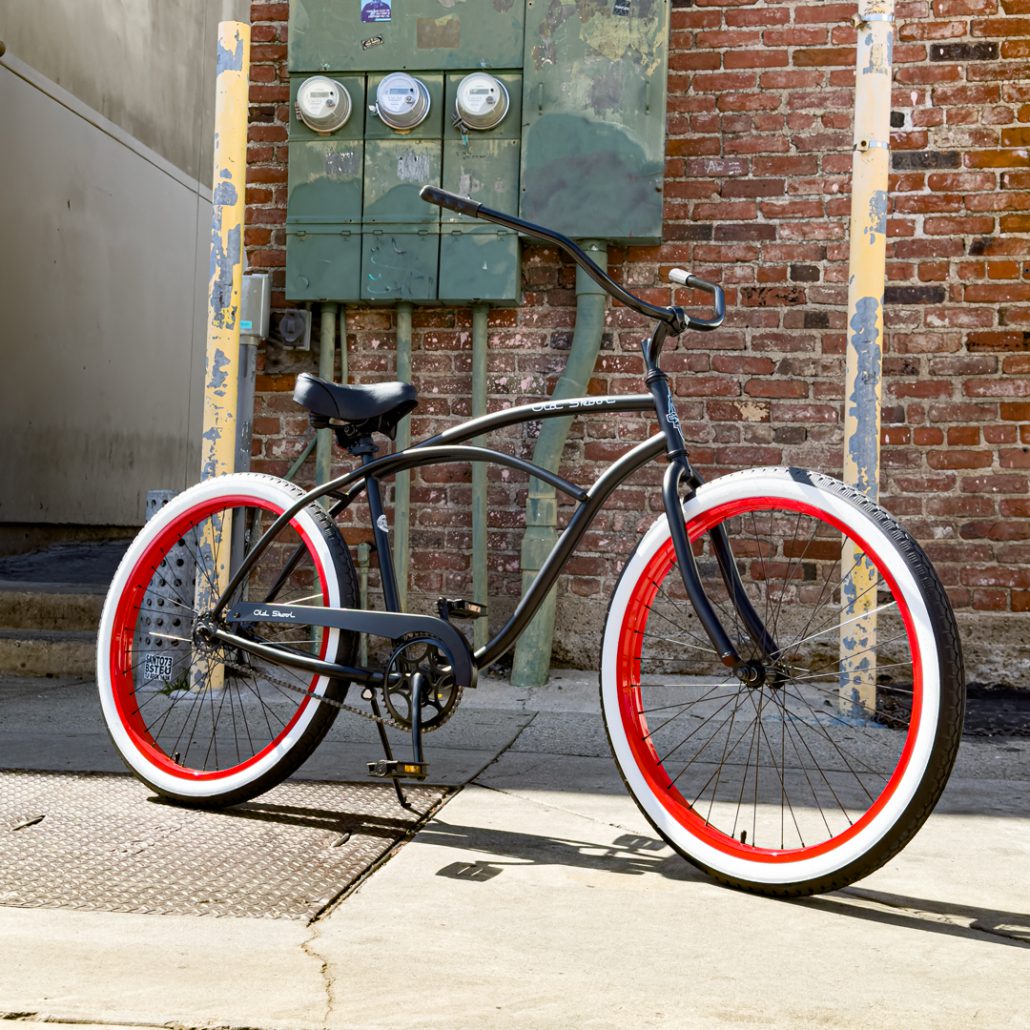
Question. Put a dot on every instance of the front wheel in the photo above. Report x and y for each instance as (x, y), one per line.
(199, 722)
(825, 765)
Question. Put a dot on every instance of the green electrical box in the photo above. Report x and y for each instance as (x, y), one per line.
(554, 110)
(593, 146)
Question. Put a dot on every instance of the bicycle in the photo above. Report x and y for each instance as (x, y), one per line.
(780, 672)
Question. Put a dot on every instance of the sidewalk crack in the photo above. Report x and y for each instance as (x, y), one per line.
(308, 947)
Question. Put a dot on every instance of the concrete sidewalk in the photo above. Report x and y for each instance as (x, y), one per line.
(537, 896)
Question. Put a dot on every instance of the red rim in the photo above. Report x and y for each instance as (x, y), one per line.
(631, 702)
(124, 627)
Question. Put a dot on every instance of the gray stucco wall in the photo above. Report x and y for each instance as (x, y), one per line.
(106, 117)
(144, 64)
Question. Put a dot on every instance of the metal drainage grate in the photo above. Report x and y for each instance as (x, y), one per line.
(104, 843)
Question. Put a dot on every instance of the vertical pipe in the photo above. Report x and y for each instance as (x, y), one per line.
(343, 345)
(402, 483)
(221, 375)
(533, 651)
(326, 369)
(862, 392)
(480, 584)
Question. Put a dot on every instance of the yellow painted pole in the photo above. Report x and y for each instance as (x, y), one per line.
(221, 374)
(227, 213)
(862, 395)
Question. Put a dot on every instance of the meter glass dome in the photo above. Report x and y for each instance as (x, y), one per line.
(323, 104)
(402, 101)
(482, 101)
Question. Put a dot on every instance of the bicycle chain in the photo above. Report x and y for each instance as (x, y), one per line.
(342, 705)
(321, 698)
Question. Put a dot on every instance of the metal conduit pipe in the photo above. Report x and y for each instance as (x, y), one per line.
(480, 578)
(533, 651)
(402, 483)
(326, 369)
(342, 348)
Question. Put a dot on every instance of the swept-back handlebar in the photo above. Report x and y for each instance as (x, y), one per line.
(674, 319)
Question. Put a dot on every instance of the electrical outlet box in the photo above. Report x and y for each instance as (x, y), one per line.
(255, 306)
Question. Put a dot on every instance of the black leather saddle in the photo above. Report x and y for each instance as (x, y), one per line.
(354, 411)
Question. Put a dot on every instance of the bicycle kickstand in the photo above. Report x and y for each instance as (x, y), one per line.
(417, 768)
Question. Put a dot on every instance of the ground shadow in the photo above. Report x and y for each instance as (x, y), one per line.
(636, 855)
(639, 855)
(365, 822)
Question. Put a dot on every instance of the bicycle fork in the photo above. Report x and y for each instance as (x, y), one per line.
(680, 474)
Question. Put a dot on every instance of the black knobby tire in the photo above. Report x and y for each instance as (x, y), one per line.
(825, 770)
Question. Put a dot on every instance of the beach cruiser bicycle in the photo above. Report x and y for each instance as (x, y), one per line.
(780, 672)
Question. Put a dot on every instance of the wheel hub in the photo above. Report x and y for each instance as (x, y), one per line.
(751, 674)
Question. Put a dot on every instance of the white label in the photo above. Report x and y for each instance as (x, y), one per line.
(157, 667)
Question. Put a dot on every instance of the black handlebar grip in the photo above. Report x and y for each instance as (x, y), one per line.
(464, 206)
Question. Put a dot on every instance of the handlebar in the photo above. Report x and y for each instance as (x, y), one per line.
(674, 319)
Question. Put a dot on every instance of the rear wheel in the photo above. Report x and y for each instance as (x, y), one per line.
(199, 722)
(823, 767)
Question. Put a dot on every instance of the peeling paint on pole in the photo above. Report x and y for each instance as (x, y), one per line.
(863, 399)
(863, 387)
(226, 259)
(877, 217)
(225, 282)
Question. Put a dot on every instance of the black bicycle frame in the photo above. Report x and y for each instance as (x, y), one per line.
(448, 447)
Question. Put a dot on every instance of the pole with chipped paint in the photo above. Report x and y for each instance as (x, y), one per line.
(226, 269)
(862, 395)
(221, 374)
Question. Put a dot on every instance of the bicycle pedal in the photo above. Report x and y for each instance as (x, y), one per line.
(459, 608)
(398, 770)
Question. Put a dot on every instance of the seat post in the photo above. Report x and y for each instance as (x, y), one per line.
(364, 449)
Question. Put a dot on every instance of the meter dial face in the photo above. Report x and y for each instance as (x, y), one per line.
(482, 101)
(402, 101)
(323, 104)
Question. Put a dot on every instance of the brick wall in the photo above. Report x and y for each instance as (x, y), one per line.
(756, 197)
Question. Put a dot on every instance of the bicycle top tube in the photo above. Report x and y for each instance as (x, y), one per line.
(674, 319)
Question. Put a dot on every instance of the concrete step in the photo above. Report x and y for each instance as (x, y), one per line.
(33, 652)
(64, 607)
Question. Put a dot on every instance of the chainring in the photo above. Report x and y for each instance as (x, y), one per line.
(420, 654)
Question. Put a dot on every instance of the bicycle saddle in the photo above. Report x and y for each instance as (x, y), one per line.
(376, 408)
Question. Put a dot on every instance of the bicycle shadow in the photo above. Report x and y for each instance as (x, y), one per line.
(304, 817)
(952, 919)
(630, 854)
(633, 854)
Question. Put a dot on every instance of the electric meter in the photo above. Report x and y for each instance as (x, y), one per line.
(482, 101)
(402, 101)
(323, 104)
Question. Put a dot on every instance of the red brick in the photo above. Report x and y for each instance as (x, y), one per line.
(757, 181)
(959, 459)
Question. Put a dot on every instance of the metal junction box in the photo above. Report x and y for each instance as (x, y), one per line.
(551, 108)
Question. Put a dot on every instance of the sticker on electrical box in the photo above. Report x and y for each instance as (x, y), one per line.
(157, 667)
(621, 8)
(376, 10)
